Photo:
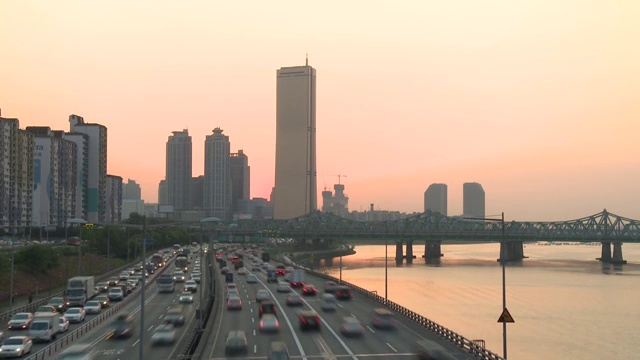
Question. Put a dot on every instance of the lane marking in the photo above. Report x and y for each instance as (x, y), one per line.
(255, 349)
(150, 327)
(392, 348)
(355, 317)
(370, 329)
(135, 343)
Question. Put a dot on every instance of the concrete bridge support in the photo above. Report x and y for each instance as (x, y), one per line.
(512, 251)
(399, 254)
(432, 252)
(409, 255)
(617, 254)
(606, 252)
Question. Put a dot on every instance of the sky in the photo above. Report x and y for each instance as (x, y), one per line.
(537, 100)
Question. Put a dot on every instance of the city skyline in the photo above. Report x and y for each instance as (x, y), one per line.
(544, 117)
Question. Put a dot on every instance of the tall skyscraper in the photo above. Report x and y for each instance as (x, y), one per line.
(217, 175)
(240, 179)
(178, 170)
(435, 199)
(114, 199)
(97, 167)
(54, 178)
(131, 190)
(163, 197)
(16, 176)
(295, 191)
(473, 200)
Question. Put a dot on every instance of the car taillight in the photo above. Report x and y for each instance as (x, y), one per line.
(277, 323)
(304, 320)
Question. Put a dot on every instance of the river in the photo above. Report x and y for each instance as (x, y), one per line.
(566, 304)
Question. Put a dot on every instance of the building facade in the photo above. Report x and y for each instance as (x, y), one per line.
(96, 210)
(163, 197)
(178, 170)
(473, 201)
(240, 179)
(130, 206)
(196, 193)
(435, 199)
(16, 176)
(82, 173)
(131, 190)
(295, 191)
(217, 175)
(114, 199)
(336, 203)
(54, 177)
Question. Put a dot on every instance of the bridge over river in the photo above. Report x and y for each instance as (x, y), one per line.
(609, 229)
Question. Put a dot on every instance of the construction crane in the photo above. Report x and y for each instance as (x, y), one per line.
(340, 176)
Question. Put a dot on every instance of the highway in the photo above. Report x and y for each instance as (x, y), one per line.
(329, 342)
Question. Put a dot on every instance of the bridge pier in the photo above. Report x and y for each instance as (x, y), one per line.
(432, 252)
(617, 254)
(605, 253)
(512, 251)
(399, 255)
(409, 255)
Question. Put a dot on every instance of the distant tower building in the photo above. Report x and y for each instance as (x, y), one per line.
(97, 167)
(54, 187)
(240, 178)
(473, 200)
(163, 197)
(295, 192)
(178, 170)
(196, 193)
(217, 175)
(16, 175)
(336, 204)
(327, 200)
(435, 199)
(131, 190)
(114, 199)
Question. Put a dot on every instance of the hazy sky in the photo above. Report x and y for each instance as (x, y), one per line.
(537, 100)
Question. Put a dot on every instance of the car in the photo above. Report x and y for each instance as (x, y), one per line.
(232, 293)
(383, 319)
(197, 277)
(112, 281)
(60, 303)
(294, 300)
(20, 321)
(278, 351)
(92, 307)
(16, 346)
(283, 287)
(64, 324)
(164, 334)
(133, 280)
(280, 272)
(126, 287)
(236, 343)
(343, 293)
(178, 276)
(262, 295)
(330, 287)
(102, 287)
(309, 290)
(174, 316)
(185, 297)
(309, 319)
(75, 314)
(351, 327)
(234, 303)
(266, 307)
(190, 285)
(77, 352)
(46, 309)
(224, 270)
(242, 271)
(256, 267)
(124, 275)
(103, 299)
(123, 326)
(116, 293)
(252, 279)
(328, 302)
(269, 323)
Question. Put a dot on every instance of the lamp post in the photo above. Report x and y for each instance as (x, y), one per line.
(503, 261)
(217, 222)
(81, 222)
(386, 270)
(142, 290)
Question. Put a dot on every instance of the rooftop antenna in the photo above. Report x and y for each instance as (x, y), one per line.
(306, 63)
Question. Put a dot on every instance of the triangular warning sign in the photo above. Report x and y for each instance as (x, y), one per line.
(505, 317)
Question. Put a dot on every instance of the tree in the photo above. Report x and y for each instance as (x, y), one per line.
(37, 259)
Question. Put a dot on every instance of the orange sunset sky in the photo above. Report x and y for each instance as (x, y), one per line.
(537, 100)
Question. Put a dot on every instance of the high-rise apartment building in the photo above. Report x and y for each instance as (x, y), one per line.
(336, 204)
(240, 179)
(131, 190)
(295, 191)
(114, 199)
(435, 199)
(217, 175)
(82, 173)
(163, 194)
(96, 210)
(16, 176)
(54, 177)
(178, 170)
(473, 204)
(196, 193)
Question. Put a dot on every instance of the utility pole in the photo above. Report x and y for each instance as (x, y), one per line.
(142, 327)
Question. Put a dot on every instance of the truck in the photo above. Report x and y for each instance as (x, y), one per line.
(297, 278)
(45, 326)
(182, 263)
(80, 289)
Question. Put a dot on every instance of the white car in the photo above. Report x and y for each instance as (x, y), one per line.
(242, 271)
(75, 314)
(64, 324)
(16, 346)
(283, 287)
(252, 279)
(178, 276)
(124, 275)
(92, 307)
(164, 334)
(186, 297)
(190, 285)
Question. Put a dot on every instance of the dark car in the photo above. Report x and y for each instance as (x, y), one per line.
(122, 326)
(343, 293)
(113, 281)
(267, 307)
(309, 290)
(309, 320)
(60, 303)
(236, 343)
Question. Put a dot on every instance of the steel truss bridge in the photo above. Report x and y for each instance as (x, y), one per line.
(434, 228)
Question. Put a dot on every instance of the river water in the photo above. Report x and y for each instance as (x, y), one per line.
(566, 304)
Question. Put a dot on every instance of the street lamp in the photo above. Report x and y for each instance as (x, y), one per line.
(386, 270)
(503, 261)
(81, 222)
(217, 223)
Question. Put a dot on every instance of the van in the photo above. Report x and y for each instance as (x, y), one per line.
(228, 277)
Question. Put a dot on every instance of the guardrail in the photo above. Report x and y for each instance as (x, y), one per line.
(60, 344)
(467, 345)
(7, 315)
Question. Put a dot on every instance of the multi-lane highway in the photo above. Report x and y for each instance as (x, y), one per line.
(329, 342)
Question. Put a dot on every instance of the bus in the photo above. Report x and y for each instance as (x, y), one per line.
(176, 248)
(182, 263)
(157, 260)
(166, 283)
